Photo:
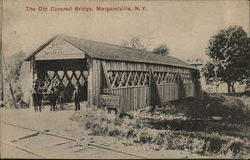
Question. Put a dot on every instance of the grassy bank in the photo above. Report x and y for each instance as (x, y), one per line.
(182, 125)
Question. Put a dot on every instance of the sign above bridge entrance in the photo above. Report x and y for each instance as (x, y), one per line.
(59, 49)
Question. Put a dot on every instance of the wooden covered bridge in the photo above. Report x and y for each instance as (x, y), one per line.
(111, 75)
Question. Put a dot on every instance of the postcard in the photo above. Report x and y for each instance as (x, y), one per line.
(125, 79)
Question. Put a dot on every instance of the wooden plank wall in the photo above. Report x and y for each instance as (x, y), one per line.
(169, 92)
(94, 81)
(135, 97)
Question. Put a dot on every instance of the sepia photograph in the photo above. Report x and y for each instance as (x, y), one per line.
(125, 79)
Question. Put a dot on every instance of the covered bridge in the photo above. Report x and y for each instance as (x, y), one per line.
(111, 75)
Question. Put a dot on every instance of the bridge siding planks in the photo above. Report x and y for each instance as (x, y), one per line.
(136, 97)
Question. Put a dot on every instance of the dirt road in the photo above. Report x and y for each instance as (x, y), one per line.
(18, 142)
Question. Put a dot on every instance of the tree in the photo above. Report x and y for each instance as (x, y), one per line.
(135, 42)
(247, 80)
(14, 64)
(161, 49)
(247, 76)
(229, 55)
(210, 71)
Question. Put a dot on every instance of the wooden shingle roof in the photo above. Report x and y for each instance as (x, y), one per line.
(105, 51)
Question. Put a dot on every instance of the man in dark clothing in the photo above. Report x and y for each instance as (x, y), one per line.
(77, 98)
(37, 95)
(34, 101)
(61, 99)
(53, 99)
(60, 95)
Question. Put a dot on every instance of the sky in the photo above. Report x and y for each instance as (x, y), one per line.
(184, 26)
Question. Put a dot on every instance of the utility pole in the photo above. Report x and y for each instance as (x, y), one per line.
(1, 79)
(1, 58)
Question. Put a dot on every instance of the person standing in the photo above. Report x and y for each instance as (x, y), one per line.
(53, 99)
(76, 95)
(60, 95)
(61, 99)
(37, 95)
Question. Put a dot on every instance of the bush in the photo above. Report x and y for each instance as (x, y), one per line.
(103, 123)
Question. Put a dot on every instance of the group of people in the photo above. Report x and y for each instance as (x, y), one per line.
(54, 93)
(56, 97)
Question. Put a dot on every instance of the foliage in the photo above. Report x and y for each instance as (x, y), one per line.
(103, 123)
(229, 51)
(14, 64)
(210, 140)
(230, 108)
(136, 43)
(187, 111)
(25, 79)
(202, 143)
(247, 76)
(162, 50)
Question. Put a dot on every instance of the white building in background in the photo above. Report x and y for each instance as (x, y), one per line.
(199, 65)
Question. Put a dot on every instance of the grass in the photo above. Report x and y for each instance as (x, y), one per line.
(103, 123)
(181, 125)
(229, 108)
